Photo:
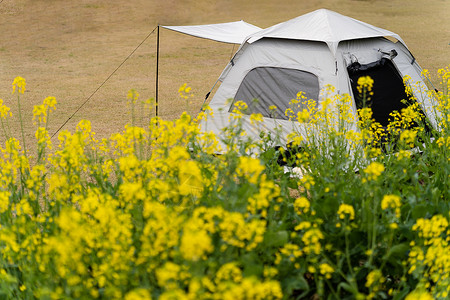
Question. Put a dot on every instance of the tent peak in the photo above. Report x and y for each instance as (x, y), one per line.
(323, 25)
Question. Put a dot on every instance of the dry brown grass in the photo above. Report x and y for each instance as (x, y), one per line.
(67, 49)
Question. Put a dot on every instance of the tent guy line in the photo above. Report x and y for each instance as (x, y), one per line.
(228, 36)
(103, 83)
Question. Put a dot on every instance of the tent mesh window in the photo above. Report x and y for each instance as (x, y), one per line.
(270, 90)
(388, 88)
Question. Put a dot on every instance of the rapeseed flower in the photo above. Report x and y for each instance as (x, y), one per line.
(4, 201)
(229, 272)
(195, 242)
(190, 178)
(259, 202)
(403, 154)
(4, 110)
(431, 228)
(291, 252)
(170, 273)
(249, 168)
(364, 87)
(373, 171)
(42, 137)
(132, 95)
(303, 225)
(20, 84)
(303, 116)
(235, 231)
(372, 277)
(408, 137)
(374, 280)
(110, 219)
(307, 181)
(256, 119)
(346, 209)
(240, 107)
(326, 270)
(419, 295)
(302, 205)
(50, 102)
(138, 294)
(185, 91)
(311, 239)
(391, 202)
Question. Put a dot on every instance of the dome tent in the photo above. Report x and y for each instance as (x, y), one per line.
(306, 54)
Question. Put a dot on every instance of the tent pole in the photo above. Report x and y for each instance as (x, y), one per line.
(157, 71)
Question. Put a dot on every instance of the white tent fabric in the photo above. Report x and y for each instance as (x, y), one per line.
(324, 26)
(233, 32)
(322, 44)
(308, 52)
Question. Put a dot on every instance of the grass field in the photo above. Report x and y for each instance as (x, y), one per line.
(67, 49)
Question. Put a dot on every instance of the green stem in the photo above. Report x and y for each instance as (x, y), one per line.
(347, 254)
(4, 129)
(340, 272)
(374, 232)
(132, 112)
(330, 286)
(21, 126)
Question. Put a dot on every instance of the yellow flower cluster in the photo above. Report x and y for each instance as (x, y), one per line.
(432, 228)
(250, 168)
(346, 209)
(326, 270)
(4, 110)
(302, 205)
(152, 212)
(311, 239)
(240, 107)
(391, 202)
(303, 116)
(374, 282)
(443, 142)
(256, 119)
(408, 137)
(419, 295)
(429, 258)
(259, 202)
(237, 232)
(307, 181)
(20, 84)
(373, 171)
(118, 218)
(185, 91)
(365, 84)
(290, 252)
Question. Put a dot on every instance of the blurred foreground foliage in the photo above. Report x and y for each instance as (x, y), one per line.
(349, 210)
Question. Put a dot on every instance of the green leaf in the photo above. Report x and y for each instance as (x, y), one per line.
(297, 283)
(402, 294)
(396, 251)
(276, 239)
(421, 211)
(347, 287)
(253, 270)
(252, 265)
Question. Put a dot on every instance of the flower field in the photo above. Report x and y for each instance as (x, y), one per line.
(349, 210)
